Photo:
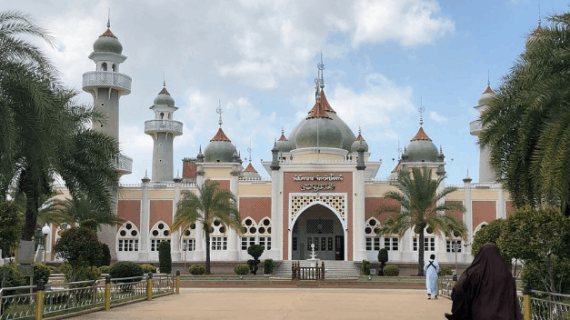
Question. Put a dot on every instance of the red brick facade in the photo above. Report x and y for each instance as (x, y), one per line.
(130, 210)
(160, 210)
(256, 208)
(483, 211)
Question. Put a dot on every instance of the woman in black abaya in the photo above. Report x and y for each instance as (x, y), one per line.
(486, 290)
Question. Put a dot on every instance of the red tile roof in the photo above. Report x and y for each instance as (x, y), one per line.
(220, 136)
(108, 33)
(164, 91)
(397, 169)
(488, 90)
(325, 104)
(360, 138)
(421, 135)
(283, 137)
(250, 168)
(318, 111)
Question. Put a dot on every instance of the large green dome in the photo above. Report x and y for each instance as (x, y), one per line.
(220, 149)
(421, 148)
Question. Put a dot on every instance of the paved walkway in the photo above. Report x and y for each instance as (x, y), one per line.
(266, 304)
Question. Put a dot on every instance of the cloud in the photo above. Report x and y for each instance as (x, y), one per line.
(437, 117)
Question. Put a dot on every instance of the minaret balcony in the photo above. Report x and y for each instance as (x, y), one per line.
(168, 126)
(106, 79)
(124, 164)
(475, 127)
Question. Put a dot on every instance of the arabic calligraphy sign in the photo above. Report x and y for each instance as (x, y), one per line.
(319, 182)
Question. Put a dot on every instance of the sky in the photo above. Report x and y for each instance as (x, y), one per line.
(383, 59)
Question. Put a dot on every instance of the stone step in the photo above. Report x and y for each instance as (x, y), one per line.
(334, 269)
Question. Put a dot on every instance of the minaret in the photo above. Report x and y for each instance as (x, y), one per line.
(163, 129)
(486, 173)
(107, 85)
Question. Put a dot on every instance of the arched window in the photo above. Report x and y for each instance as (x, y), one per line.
(160, 232)
(264, 231)
(161, 115)
(249, 231)
(429, 240)
(218, 237)
(115, 67)
(371, 232)
(128, 237)
(104, 66)
(189, 238)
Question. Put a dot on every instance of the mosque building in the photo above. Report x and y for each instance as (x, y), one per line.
(322, 189)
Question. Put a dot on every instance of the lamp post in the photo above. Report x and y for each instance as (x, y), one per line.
(45, 231)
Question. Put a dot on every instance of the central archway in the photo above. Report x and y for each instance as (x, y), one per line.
(318, 224)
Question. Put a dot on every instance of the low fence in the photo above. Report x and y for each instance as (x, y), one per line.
(49, 300)
(534, 304)
(307, 273)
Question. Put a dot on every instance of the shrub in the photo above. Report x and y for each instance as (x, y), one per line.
(242, 269)
(164, 257)
(365, 267)
(81, 274)
(255, 251)
(268, 266)
(126, 269)
(80, 248)
(391, 271)
(383, 256)
(443, 271)
(106, 259)
(196, 269)
(65, 269)
(11, 277)
(148, 268)
(41, 272)
(105, 269)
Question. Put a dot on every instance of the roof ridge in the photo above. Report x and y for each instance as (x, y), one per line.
(325, 102)
(220, 136)
(421, 135)
(318, 111)
(250, 168)
(108, 33)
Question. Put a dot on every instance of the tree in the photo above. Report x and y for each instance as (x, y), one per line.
(164, 257)
(491, 233)
(211, 204)
(10, 227)
(43, 132)
(527, 124)
(255, 251)
(418, 209)
(382, 258)
(540, 237)
(80, 248)
(81, 208)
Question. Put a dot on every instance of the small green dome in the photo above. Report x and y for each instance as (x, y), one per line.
(107, 42)
(487, 96)
(421, 148)
(356, 144)
(164, 99)
(329, 134)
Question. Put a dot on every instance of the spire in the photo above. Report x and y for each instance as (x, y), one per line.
(282, 138)
(488, 79)
(319, 81)
(421, 109)
(249, 151)
(220, 111)
(164, 79)
(539, 21)
(109, 19)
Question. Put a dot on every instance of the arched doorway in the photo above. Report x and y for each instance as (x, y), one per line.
(320, 226)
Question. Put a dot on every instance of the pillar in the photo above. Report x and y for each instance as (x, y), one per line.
(199, 254)
(359, 198)
(145, 221)
(232, 234)
(276, 245)
(175, 241)
(468, 215)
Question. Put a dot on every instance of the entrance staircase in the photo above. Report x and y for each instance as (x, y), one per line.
(345, 270)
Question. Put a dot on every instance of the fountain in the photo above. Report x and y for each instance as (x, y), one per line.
(314, 258)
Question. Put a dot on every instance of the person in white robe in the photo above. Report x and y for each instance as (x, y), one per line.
(431, 269)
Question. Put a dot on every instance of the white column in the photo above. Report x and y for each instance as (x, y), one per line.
(276, 244)
(501, 212)
(360, 214)
(199, 254)
(175, 241)
(145, 221)
(468, 215)
(232, 234)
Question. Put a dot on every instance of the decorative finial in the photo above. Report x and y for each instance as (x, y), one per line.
(109, 19)
(146, 173)
(164, 79)
(220, 111)
(539, 21)
(359, 130)
(249, 151)
(399, 150)
(319, 81)
(282, 130)
(421, 109)
(488, 79)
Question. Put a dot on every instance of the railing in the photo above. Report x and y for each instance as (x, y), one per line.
(58, 299)
(171, 126)
(475, 126)
(538, 305)
(115, 80)
(124, 163)
(307, 273)
(446, 284)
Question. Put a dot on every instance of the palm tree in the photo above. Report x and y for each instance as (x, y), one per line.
(43, 132)
(211, 204)
(419, 209)
(82, 209)
(527, 124)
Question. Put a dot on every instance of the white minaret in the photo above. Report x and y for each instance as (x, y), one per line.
(107, 85)
(486, 173)
(163, 129)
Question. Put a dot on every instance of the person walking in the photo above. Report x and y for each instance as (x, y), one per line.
(431, 268)
(486, 290)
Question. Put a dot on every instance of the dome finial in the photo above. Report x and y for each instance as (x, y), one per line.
(163, 79)
(319, 81)
(220, 111)
(109, 19)
(249, 151)
(421, 109)
(488, 79)
(539, 21)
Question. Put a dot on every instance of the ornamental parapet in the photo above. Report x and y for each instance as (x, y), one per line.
(169, 126)
(106, 79)
(475, 127)
(124, 164)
